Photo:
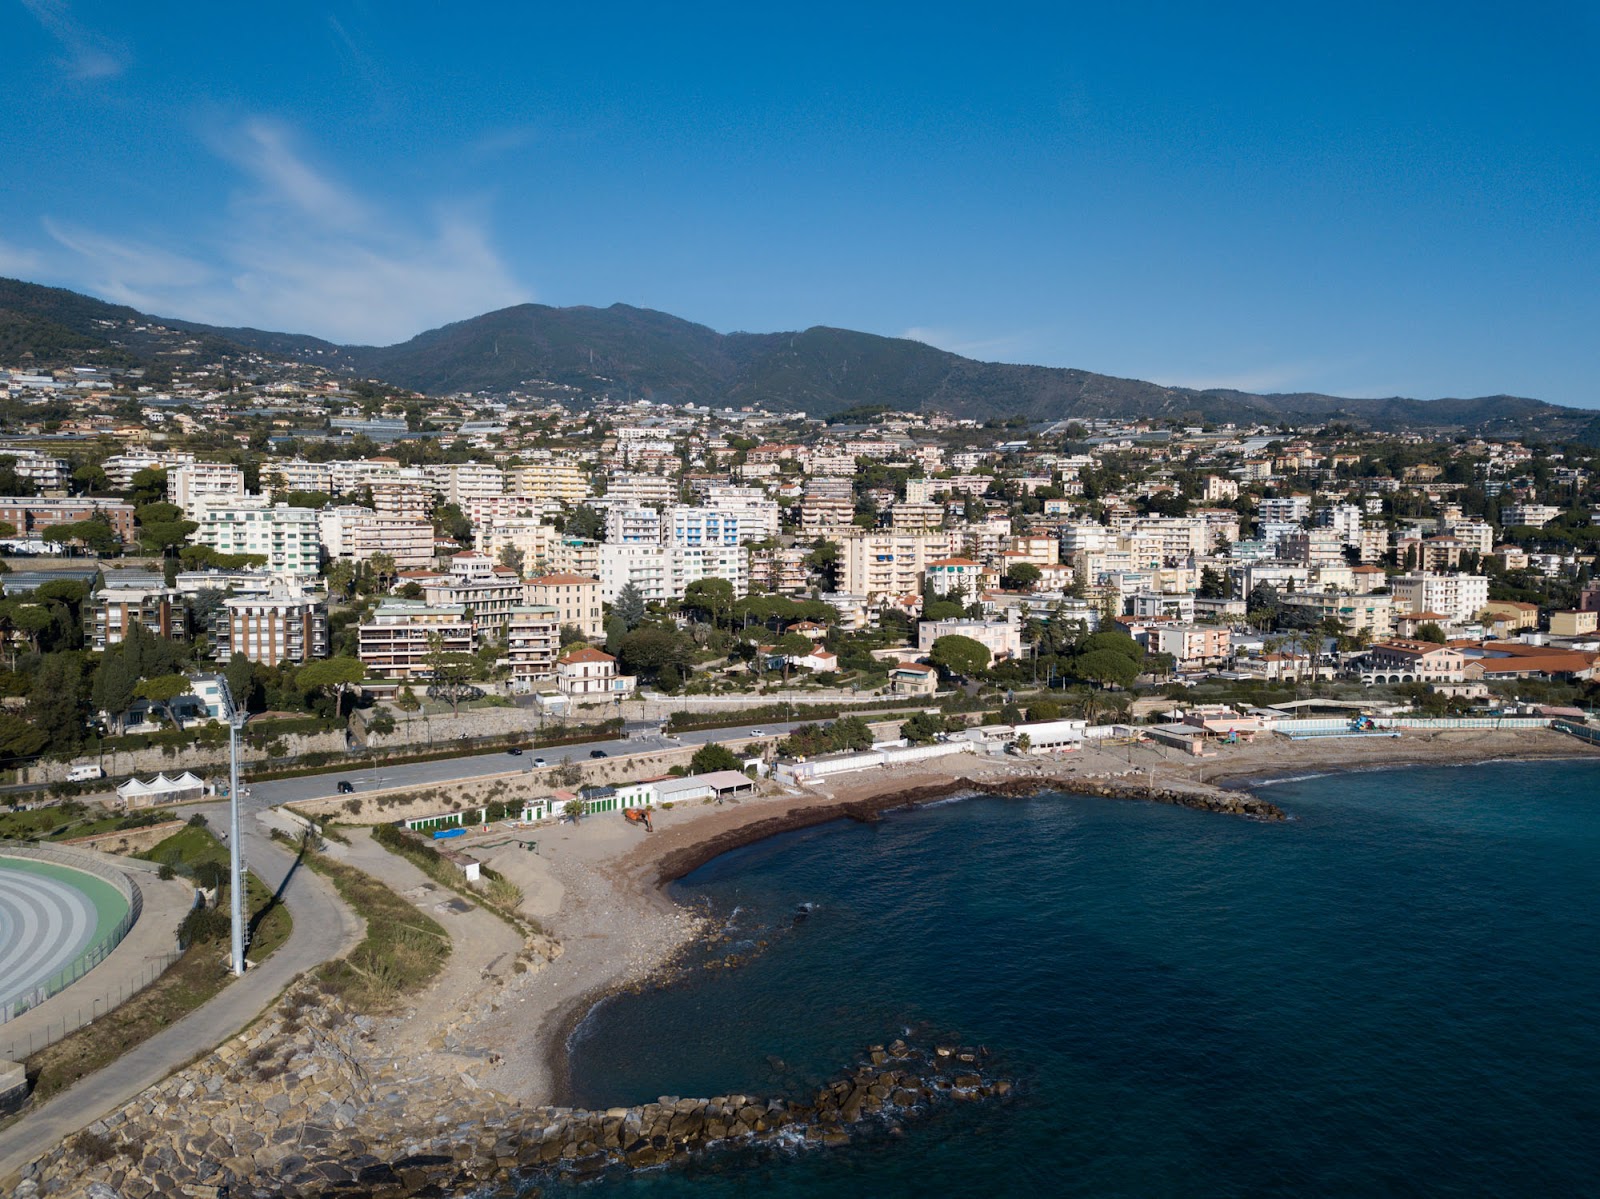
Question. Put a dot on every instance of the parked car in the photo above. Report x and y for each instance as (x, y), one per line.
(597, 753)
(346, 786)
(515, 751)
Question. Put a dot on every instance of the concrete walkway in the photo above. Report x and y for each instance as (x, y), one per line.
(149, 948)
(323, 928)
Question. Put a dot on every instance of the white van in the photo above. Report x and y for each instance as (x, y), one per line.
(85, 774)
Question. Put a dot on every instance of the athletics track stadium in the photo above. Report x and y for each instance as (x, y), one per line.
(57, 922)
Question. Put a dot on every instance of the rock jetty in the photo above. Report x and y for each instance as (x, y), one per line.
(290, 1110)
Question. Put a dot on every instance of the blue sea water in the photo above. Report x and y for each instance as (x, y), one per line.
(1395, 992)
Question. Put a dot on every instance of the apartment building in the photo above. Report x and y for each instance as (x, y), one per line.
(352, 533)
(575, 599)
(955, 577)
(634, 490)
(284, 626)
(913, 517)
(1475, 536)
(288, 538)
(759, 516)
(120, 468)
(1457, 596)
(403, 499)
(876, 563)
(1292, 509)
(461, 482)
(485, 591)
(400, 636)
(780, 569)
(296, 474)
(827, 507)
(1534, 516)
(533, 642)
(1003, 638)
(111, 612)
(1358, 613)
(685, 525)
(1192, 646)
(628, 524)
(1397, 661)
(32, 515)
(528, 535)
(661, 572)
(1314, 547)
(548, 479)
(42, 472)
(194, 482)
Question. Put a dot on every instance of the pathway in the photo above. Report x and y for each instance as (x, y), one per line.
(323, 929)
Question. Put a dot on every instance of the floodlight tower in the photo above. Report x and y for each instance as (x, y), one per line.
(236, 721)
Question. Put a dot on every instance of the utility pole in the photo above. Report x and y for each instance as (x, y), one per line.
(236, 721)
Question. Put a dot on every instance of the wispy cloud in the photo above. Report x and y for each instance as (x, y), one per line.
(18, 263)
(972, 347)
(88, 55)
(301, 251)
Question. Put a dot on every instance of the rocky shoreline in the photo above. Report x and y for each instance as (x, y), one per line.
(676, 864)
(290, 1111)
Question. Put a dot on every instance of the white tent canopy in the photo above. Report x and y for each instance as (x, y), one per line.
(136, 793)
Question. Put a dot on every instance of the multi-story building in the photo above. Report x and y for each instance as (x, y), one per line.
(660, 573)
(43, 472)
(626, 524)
(1192, 646)
(110, 612)
(1292, 509)
(1457, 596)
(780, 569)
(399, 638)
(460, 482)
(1534, 516)
(877, 563)
(533, 640)
(405, 500)
(1314, 547)
(549, 479)
(827, 508)
(575, 599)
(194, 482)
(913, 517)
(485, 591)
(286, 537)
(954, 576)
(528, 535)
(759, 517)
(687, 525)
(631, 489)
(1358, 613)
(120, 468)
(1475, 536)
(32, 515)
(296, 474)
(283, 626)
(1003, 638)
(1398, 661)
(355, 534)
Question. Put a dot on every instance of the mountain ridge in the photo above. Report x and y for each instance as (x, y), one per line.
(626, 350)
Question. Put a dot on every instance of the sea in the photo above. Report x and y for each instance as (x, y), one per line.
(1394, 992)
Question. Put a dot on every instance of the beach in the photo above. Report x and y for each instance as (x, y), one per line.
(597, 886)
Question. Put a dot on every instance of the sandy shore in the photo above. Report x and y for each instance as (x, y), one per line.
(597, 886)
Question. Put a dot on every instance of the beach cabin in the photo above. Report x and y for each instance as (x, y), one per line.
(1052, 736)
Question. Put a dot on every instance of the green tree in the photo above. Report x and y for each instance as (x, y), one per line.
(56, 701)
(713, 598)
(629, 605)
(161, 691)
(1431, 632)
(823, 561)
(923, 728)
(958, 655)
(712, 756)
(407, 700)
(449, 672)
(331, 677)
(616, 630)
(645, 651)
(512, 558)
(792, 645)
(1023, 576)
(1106, 667)
(20, 739)
(113, 688)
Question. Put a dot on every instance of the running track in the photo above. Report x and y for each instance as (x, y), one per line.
(48, 915)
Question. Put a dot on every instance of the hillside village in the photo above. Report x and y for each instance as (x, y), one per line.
(327, 545)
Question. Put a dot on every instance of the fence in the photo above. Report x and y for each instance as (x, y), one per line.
(1580, 731)
(23, 1044)
(95, 953)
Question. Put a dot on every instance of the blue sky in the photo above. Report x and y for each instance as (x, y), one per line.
(1361, 199)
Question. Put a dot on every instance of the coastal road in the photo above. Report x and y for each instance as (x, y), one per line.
(471, 766)
(323, 928)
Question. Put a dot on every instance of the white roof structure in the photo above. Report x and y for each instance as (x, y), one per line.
(161, 787)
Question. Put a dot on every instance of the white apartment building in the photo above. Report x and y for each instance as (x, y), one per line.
(286, 537)
(1079, 537)
(661, 572)
(827, 508)
(484, 591)
(120, 468)
(193, 482)
(1534, 516)
(355, 534)
(1475, 536)
(460, 482)
(1314, 547)
(759, 516)
(528, 534)
(1343, 520)
(296, 474)
(1457, 596)
(1003, 638)
(634, 490)
(41, 471)
(626, 523)
(1178, 536)
(1291, 509)
(685, 525)
(591, 672)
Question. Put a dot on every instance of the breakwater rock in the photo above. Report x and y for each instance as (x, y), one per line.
(1006, 781)
(291, 1110)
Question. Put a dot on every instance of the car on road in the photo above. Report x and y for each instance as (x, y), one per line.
(515, 751)
(539, 762)
(597, 753)
(346, 786)
(757, 733)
